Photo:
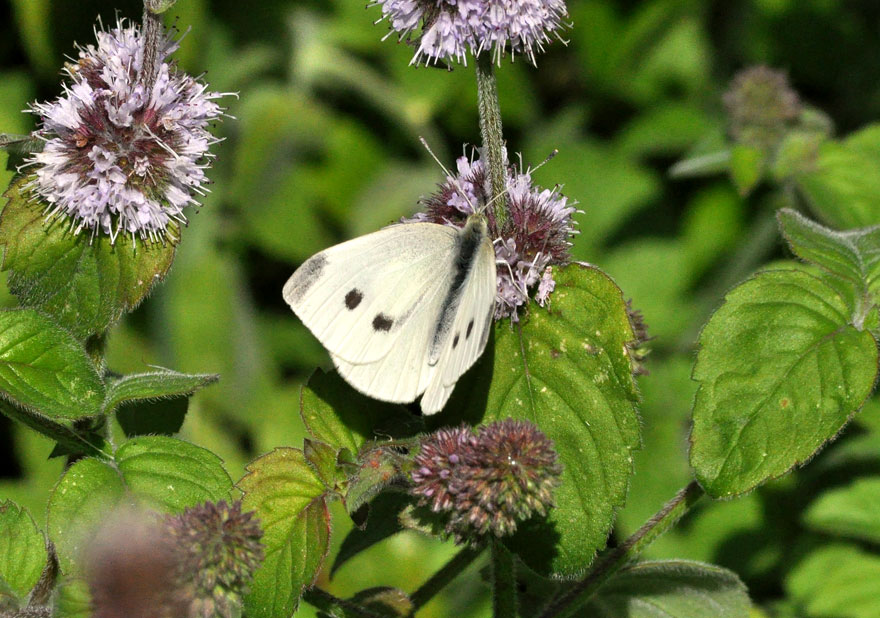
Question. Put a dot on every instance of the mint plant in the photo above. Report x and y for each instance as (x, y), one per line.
(526, 480)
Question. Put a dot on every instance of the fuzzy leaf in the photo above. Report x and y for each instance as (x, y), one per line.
(781, 371)
(43, 368)
(338, 415)
(155, 385)
(842, 581)
(322, 458)
(23, 552)
(290, 502)
(853, 255)
(376, 469)
(671, 589)
(84, 283)
(566, 369)
(843, 186)
(852, 511)
(155, 472)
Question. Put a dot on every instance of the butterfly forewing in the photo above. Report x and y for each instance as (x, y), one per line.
(359, 297)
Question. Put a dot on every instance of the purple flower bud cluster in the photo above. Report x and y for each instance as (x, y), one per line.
(118, 157)
(450, 29)
(218, 550)
(489, 481)
(535, 236)
(761, 106)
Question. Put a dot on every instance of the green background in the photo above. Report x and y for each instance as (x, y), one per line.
(324, 146)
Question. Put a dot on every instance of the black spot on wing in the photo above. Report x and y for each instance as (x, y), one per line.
(304, 277)
(353, 298)
(382, 322)
(455, 341)
(470, 327)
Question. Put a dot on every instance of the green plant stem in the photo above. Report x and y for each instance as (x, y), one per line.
(503, 581)
(327, 602)
(62, 434)
(573, 598)
(493, 136)
(152, 37)
(441, 578)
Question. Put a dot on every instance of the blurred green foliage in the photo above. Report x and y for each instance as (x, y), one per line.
(322, 145)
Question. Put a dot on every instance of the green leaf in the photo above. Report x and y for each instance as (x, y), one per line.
(566, 369)
(142, 418)
(747, 165)
(155, 385)
(290, 502)
(23, 552)
(322, 459)
(43, 368)
(853, 255)
(844, 184)
(84, 283)
(382, 522)
(780, 372)
(852, 511)
(154, 472)
(837, 581)
(338, 415)
(673, 589)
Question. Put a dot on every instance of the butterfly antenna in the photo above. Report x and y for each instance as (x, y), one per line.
(448, 173)
(532, 170)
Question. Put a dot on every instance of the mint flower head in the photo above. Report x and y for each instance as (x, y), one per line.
(452, 29)
(486, 483)
(761, 106)
(535, 236)
(119, 157)
(218, 549)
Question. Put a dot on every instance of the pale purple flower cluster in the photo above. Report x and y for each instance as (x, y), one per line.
(117, 157)
(535, 236)
(453, 28)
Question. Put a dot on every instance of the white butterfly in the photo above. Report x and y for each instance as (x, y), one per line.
(402, 311)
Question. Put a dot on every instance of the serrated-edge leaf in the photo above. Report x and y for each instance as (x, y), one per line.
(154, 472)
(749, 370)
(23, 553)
(84, 283)
(290, 503)
(171, 473)
(154, 385)
(575, 383)
(853, 255)
(673, 589)
(43, 368)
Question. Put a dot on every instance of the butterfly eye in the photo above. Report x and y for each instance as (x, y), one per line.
(353, 298)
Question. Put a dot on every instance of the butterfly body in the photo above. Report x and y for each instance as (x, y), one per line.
(404, 311)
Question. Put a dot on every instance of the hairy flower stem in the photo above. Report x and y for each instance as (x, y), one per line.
(441, 578)
(152, 26)
(570, 601)
(493, 137)
(323, 600)
(503, 581)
